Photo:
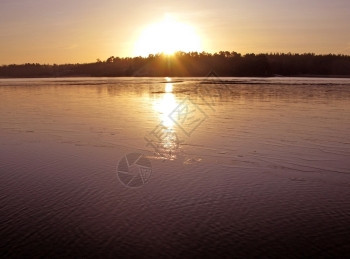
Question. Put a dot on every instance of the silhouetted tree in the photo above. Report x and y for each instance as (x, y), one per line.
(225, 63)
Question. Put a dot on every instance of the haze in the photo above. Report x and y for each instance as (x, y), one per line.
(52, 31)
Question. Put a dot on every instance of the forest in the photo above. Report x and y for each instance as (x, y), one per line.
(193, 64)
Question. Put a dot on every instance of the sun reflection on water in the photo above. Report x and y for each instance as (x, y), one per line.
(164, 105)
(168, 87)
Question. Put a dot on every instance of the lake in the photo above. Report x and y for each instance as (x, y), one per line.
(180, 167)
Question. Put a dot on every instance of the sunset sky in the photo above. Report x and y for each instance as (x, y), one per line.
(66, 31)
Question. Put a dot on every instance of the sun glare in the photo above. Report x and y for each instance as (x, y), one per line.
(167, 36)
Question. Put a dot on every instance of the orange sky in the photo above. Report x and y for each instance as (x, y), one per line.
(62, 31)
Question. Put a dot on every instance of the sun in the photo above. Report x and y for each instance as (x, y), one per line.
(167, 36)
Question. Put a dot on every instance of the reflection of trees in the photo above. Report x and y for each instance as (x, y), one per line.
(225, 63)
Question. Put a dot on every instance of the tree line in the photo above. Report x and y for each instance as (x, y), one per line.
(224, 63)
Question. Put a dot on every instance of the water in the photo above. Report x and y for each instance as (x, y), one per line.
(240, 167)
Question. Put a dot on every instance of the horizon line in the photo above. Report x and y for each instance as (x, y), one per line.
(178, 52)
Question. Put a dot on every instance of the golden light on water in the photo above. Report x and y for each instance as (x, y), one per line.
(169, 88)
(167, 36)
(163, 105)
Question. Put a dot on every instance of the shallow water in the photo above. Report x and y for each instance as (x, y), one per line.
(239, 166)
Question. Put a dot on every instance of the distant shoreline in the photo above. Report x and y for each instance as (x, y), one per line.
(193, 64)
(86, 76)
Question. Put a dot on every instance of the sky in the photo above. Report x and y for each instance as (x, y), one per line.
(79, 31)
